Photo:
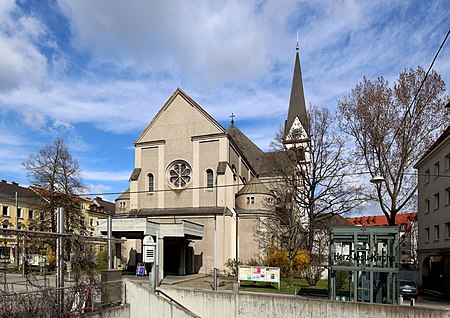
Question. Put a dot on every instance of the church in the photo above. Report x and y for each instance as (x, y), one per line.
(198, 189)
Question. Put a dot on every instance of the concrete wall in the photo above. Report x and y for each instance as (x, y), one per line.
(144, 303)
(113, 312)
(242, 305)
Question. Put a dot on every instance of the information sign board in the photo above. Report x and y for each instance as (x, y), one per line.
(259, 274)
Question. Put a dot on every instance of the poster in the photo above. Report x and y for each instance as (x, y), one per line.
(140, 269)
(259, 274)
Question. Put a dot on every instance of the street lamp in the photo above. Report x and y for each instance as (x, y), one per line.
(377, 180)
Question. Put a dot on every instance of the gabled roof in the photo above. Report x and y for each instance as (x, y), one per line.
(10, 189)
(274, 163)
(333, 220)
(46, 195)
(249, 150)
(380, 220)
(179, 92)
(108, 207)
(297, 105)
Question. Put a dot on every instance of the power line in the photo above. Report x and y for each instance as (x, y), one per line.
(408, 110)
(276, 180)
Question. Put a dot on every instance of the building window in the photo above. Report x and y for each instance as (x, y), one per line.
(436, 169)
(427, 234)
(436, 232)
(250, 200)
(209, 178)
(30, 214)
(5, 252)
(244, 181)
(151, 183)
(179, 174)
(5, 225)
(82, 221)
(447, 196)
(447, 229)
(427, 205)
(427, 176)
(122, 205)
(436, 201)
(5, 210)
(19, 213)
(91, 222)
(447, 162)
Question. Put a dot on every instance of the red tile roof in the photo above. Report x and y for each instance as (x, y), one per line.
(380, 220)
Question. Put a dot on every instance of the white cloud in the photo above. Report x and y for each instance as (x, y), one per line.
(122, 60)
(98, 188)
(106, 176)
(213, 42)
(21, 62)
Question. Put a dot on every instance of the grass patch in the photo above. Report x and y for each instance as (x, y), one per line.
(299, 286)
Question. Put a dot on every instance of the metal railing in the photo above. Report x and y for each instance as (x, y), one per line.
(39, 301)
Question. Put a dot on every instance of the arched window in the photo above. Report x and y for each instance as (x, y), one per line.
(209, 178)
(151, 183)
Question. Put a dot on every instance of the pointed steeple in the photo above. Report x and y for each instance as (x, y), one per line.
(297, 105)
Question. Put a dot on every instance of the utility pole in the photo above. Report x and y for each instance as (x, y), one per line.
(16, 250)
(60, 256)
(215, 253)
(110, 260)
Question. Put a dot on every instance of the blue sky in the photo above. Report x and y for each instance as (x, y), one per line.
(96, 72)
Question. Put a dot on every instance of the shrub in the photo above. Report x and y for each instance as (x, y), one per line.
(102, 259)
(278, 257)
(233, 265)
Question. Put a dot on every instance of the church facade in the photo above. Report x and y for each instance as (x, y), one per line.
(198, 189)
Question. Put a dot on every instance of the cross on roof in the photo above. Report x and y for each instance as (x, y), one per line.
(232, 118)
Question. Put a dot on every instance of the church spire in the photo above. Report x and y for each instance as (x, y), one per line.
(297, 105)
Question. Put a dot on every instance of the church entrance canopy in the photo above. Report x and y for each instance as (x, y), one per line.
(174, 251)
(137, 228)
(364, 264)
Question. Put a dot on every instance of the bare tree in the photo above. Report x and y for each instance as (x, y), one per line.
(313, 185)
(392, 127)
(58, 177)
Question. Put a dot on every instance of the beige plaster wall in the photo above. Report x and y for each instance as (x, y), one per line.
(208, 159)
(149, 164)
(248, 242)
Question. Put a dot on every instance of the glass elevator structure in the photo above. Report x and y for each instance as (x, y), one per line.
(364, 264)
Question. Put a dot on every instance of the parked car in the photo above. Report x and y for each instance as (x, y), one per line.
(408, 289)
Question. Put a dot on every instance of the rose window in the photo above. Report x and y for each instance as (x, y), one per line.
(179, 174)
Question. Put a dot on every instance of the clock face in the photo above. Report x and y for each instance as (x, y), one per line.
(296, 133)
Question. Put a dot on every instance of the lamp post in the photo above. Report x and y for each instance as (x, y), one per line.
(377, 180)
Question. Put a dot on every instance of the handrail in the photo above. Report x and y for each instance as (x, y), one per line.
(158, 291)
